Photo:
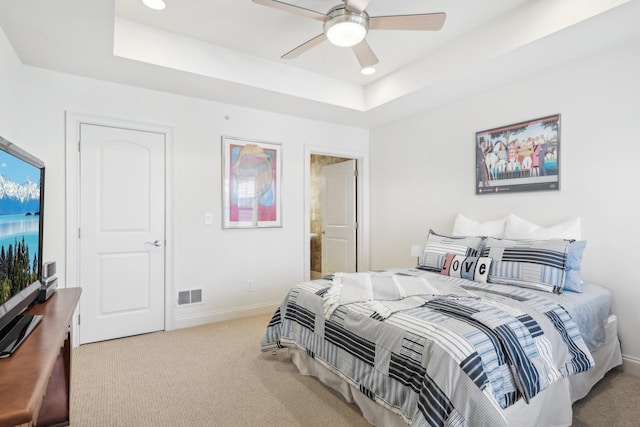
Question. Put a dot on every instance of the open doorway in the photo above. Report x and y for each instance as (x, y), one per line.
(333, 215)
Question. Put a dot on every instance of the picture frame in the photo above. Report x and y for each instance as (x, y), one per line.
(519, 157)
(251, 177)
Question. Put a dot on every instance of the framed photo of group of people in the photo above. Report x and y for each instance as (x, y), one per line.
(519, 157)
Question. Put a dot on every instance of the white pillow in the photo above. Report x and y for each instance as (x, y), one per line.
(518, 228)
(469, 227)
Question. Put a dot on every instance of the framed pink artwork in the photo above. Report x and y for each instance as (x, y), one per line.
(251, 193)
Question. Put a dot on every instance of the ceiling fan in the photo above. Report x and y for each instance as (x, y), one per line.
(347, 24)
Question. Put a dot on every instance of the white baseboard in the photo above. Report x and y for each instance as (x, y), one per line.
(219, 316)
(631, 365)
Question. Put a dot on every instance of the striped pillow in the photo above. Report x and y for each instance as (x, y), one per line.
(438, 246)
(537, 264)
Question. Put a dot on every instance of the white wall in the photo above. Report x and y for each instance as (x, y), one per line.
(9, 70)
(205, 256)
(423, 171)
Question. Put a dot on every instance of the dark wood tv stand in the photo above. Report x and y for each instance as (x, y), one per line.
(35, 380)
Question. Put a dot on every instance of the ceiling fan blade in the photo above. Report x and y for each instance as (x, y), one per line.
(357, 5)
(365, 54)
(294, 53)
(293, 9)
(420, 22)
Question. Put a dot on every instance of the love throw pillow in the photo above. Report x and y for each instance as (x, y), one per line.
(470, 268)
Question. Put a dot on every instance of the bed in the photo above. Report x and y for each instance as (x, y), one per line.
(468, 338)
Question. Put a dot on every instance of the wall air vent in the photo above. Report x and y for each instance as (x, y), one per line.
(196, 296)
(188, 297)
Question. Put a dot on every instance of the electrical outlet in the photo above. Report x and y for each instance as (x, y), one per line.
(250, 286)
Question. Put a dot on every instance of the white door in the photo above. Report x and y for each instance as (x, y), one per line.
(339, 217)
(122, 216)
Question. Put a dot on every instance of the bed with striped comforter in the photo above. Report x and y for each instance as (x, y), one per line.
(438, 351)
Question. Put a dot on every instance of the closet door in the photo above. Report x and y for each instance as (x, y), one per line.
(122, 232)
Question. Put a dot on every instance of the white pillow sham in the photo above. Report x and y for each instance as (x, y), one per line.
(464, 226)
(519, 228)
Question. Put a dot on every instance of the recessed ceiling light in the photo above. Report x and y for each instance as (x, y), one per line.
(155, 4)
(368, 71)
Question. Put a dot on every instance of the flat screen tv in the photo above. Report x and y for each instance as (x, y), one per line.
(21, 233)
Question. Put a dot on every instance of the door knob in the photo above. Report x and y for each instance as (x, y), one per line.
(154, 243)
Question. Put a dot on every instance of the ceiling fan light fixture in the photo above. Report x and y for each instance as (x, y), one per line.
(155, 4)
(367, 71)
(344, 28)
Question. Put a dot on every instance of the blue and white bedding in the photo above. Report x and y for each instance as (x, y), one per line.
(589, 309)
(439, 350)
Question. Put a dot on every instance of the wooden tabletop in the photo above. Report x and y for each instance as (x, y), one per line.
(24, 375)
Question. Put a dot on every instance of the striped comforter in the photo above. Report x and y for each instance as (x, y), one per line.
(458, 358)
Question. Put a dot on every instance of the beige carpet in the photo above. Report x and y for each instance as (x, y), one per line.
(215, 375)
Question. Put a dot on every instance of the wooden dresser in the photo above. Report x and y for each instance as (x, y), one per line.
(35, 380)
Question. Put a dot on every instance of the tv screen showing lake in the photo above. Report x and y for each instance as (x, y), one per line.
(20, 192)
